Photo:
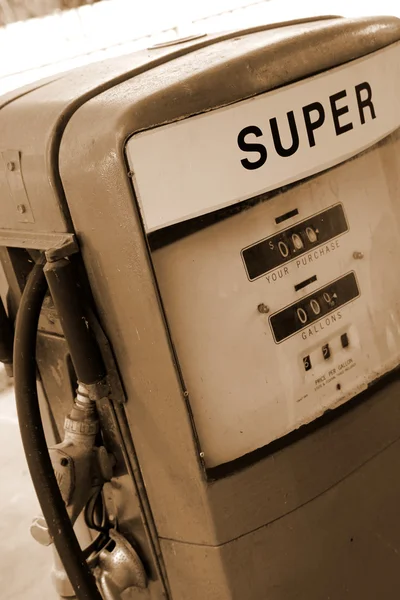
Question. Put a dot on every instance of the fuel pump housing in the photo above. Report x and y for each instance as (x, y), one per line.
(227, 209)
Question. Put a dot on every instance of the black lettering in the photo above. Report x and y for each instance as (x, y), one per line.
(327, 249)
(362, 104)
(286, 270)
(339, 315)
(311, 126)
(321, 251)
(338, 112)
(316, 254)
(285, 152)
(251, 147)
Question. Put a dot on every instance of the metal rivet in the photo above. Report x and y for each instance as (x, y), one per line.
(10, 166)
(358, 255)
(263, 308)
(21, 208)
(202, 454)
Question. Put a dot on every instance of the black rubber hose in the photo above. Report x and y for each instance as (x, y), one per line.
(34, 440)
(69, 301)
(6, 336)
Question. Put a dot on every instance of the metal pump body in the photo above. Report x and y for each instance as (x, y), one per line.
(228, 209)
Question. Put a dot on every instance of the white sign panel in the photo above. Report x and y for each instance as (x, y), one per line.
(206, 162)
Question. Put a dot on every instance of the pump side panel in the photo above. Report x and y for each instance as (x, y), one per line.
(343, 544)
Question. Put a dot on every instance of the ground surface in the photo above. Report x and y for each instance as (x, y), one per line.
(24, 564)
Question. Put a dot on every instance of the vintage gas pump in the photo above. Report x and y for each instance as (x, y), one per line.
(203, 309)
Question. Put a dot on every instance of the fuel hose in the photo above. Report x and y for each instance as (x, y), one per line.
(6, 338)
(34, 441)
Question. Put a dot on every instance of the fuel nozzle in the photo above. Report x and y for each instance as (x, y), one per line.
(81, 466)
(78, 463)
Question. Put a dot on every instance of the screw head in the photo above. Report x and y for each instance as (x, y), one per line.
(21, 208)
(263, 308)
(11, 166)
(358, 255)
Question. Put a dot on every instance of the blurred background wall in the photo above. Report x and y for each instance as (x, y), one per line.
(42, 37)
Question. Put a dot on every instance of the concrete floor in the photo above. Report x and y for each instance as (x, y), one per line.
(24, 564)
